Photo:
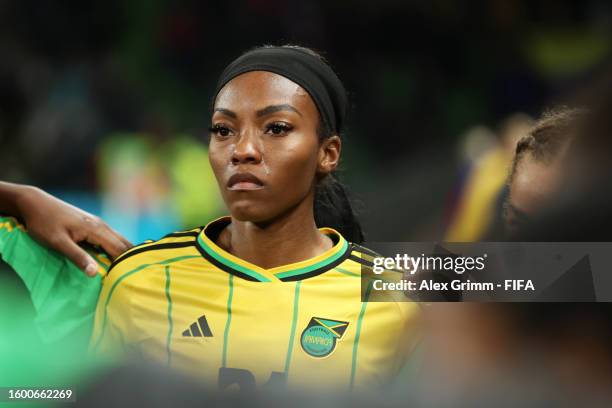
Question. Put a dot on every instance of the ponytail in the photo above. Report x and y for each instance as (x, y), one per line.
(333, 208)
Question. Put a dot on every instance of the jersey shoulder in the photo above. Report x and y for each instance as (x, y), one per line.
(12, 230)
(365, 259)
(26, 255)
(170, 247)
(362, 255)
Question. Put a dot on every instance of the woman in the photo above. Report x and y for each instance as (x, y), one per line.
(263, 297)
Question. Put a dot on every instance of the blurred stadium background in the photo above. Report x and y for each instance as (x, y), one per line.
(105, 104)
(431, 84)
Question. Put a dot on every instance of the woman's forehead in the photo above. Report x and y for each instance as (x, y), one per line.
(258, 89)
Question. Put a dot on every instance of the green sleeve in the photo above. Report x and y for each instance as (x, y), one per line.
(63, 297)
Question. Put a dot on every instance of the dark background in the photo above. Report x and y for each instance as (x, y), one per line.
(420, 75)
(93, 94)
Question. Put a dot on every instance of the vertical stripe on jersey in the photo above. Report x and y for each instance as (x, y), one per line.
(296, 302)
(119, 280)
(358, 334)
(229, 319)
(170, 324)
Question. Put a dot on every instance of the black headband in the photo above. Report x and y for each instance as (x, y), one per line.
(305, 69)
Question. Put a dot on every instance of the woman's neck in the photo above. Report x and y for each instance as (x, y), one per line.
(290, 238)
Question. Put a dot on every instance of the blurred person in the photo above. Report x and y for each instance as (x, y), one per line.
(587, 170)
(536, 174)
(476, 198)
(581, 353)
(558, 192)
(195, 201)
(148, 185)
(524, 347)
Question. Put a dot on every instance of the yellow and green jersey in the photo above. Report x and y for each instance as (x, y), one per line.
(187, 303)
(63, 297)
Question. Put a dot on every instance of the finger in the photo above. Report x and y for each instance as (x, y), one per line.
(108, 240)
(76, 254)
(121, 238)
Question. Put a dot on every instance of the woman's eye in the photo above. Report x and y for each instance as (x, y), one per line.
(220, 130)
(278, 128)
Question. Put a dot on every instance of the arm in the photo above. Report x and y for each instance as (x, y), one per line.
(9, 195)
(59, 225)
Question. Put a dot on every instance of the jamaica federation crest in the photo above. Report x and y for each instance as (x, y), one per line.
(319, 337)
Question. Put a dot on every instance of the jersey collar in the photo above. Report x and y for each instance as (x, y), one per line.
(291, 272)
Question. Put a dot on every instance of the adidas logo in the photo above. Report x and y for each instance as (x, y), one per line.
(198, 329)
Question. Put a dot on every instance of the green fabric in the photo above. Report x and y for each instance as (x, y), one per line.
(63, 297)
(27, 361)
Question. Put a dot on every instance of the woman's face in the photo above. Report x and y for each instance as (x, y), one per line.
(264, 148)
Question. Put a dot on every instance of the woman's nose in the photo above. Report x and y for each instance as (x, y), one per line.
(247, 149)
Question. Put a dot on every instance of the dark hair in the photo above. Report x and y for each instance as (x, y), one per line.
(332, 204)
(555, 129)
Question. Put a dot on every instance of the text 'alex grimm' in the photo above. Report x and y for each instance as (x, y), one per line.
(456, 284)
(410, 265)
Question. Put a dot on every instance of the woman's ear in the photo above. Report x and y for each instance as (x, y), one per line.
(329, 154)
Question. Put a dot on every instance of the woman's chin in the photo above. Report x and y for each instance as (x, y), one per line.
(249, 213)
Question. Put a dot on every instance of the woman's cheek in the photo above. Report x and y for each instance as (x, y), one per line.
(298, 173)
(217, 159)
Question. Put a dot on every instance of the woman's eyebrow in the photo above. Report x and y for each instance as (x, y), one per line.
(226, 112)
(276, 108)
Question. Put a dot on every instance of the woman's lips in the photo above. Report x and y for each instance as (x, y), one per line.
(245, 186)
(244, 182)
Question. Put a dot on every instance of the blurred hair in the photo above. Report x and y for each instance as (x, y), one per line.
(548, 136)
(586, 199)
